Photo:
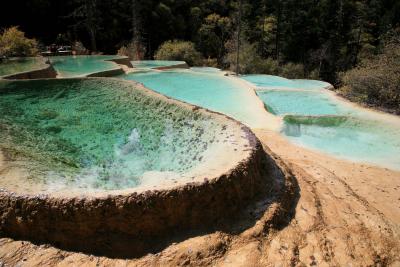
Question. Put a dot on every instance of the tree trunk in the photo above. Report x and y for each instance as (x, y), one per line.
(263, 53)
(238, 38)
(134, 22)
(90, 6)
(262, 38)
(358, 45)
(136, 33)
(278, 29)
(92, 34)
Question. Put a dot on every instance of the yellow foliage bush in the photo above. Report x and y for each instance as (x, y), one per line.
(179, 50)
(13, 43)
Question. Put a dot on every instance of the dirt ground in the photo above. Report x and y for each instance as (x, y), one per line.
(330, 213)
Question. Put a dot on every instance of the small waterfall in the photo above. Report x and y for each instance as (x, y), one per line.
(293, 130)
(133, 144)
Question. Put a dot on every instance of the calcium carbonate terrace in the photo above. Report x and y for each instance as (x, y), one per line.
(351, 133)
(17, 65)
(80, 66)
(315, 118)
(154, 153)
(107, 154)
(107, 134)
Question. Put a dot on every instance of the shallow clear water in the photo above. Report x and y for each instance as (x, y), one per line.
(155, 63)
(92, 134)
(16, 65)
(209, 90)
(79, 66)
(270, 81)
(311, 84)
(280, 102)
(206, 69)
(358, 138)
(323, 122)
(354, 139)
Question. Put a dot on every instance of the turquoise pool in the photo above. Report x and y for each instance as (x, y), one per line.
(281, 102)
(361, 137)
(354, 139)
(206, 69)
(102, 134)
(271, 82)
(16, 65)
(334, 127)
(320, 121)
(79, 66)
(209, 90)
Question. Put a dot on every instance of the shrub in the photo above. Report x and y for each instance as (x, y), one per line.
(268, 66)
(314, 74)
(79, 48)
(289, 70)
(134, 50)
(210, 62)
(251, 62)
(292, 71)
(248, 57)
(179, 50)
(13, 43)
(376, 80)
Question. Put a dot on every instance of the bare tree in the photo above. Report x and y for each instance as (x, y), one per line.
(87, 16)
(137, 45)
(135, 22)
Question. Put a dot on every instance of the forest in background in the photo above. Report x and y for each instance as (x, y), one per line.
(325, 39)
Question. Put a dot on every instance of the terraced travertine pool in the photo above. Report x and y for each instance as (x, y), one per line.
(80, 66)
(276, 82)
(113, 168)
(101, 134)
(281, 102)
(151, 64)
(311, 116)
(314, 118)
(321, 120)
(17, 65)
(86, 156)
(207, 89)
(348, 137)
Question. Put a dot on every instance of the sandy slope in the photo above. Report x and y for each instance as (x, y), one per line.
(347, 214)
(335, 213)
